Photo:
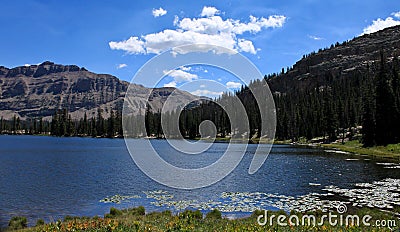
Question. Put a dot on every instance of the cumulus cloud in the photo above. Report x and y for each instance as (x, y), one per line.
(212, 30)
(209, 11)
(159, 12)
(206, 92)
(132, 45)
(180, 75)
(396, 14)
(233, 85)
(246, 46)
(122, 66)
(380, 24)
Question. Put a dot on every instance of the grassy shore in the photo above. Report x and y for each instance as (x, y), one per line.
(136, 220)
(391, 151)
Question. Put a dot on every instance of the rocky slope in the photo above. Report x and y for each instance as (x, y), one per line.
(37, 90)
(340, 60)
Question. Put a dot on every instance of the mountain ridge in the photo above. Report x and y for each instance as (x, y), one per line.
(38, 90)
(339, 60)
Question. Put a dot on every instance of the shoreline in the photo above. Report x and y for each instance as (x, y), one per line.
(376, 152)
(352, 147)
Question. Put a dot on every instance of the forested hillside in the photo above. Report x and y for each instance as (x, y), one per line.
(329, 94)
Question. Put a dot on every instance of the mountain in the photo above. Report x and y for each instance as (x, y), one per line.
(340, 60)
(340, 92)
(37, 90)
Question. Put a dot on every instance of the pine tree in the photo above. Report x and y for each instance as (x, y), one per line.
(41, 127)
(99, 123)
(2, 125)
(111, 125)
(54, 124)
(85, 125)
(385, 108)
(368, 123)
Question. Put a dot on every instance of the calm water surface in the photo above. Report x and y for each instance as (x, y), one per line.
(48, 177)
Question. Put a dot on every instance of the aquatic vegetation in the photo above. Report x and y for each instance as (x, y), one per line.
(118, 198)
(384, 194)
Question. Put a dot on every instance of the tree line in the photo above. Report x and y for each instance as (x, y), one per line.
(338, 107)
(62, 124)
(329, 110)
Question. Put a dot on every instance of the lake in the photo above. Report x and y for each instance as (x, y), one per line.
(50, 177)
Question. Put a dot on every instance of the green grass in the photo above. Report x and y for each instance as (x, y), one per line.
(391, 151)
(132, 220)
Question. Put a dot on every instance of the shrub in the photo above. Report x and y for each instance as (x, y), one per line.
(214, 214)
(167, 213)
(68, 218)
(40, 222)
(113, 213)
(17, 223)
(189, 214)
(257, 213)
(139, 211)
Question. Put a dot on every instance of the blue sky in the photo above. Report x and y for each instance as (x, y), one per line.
(272, 34)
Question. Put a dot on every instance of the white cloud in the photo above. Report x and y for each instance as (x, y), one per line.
(132, 45)
(209, 11)
(170, 84)
(122, 66)
(380, 24)
(212, 30)
(159, 42)
(159, 12)
(205, 92)
(257, 24)
(233, 85)
(315, 37)
(180, 75)
(396, 14)
(202, 86)
(246, 46)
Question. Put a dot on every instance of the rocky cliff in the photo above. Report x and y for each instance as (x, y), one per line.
(37, 90)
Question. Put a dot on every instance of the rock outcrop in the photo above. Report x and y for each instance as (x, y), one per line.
(37, 90)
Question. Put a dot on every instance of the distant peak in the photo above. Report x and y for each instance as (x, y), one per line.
(46, 63)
